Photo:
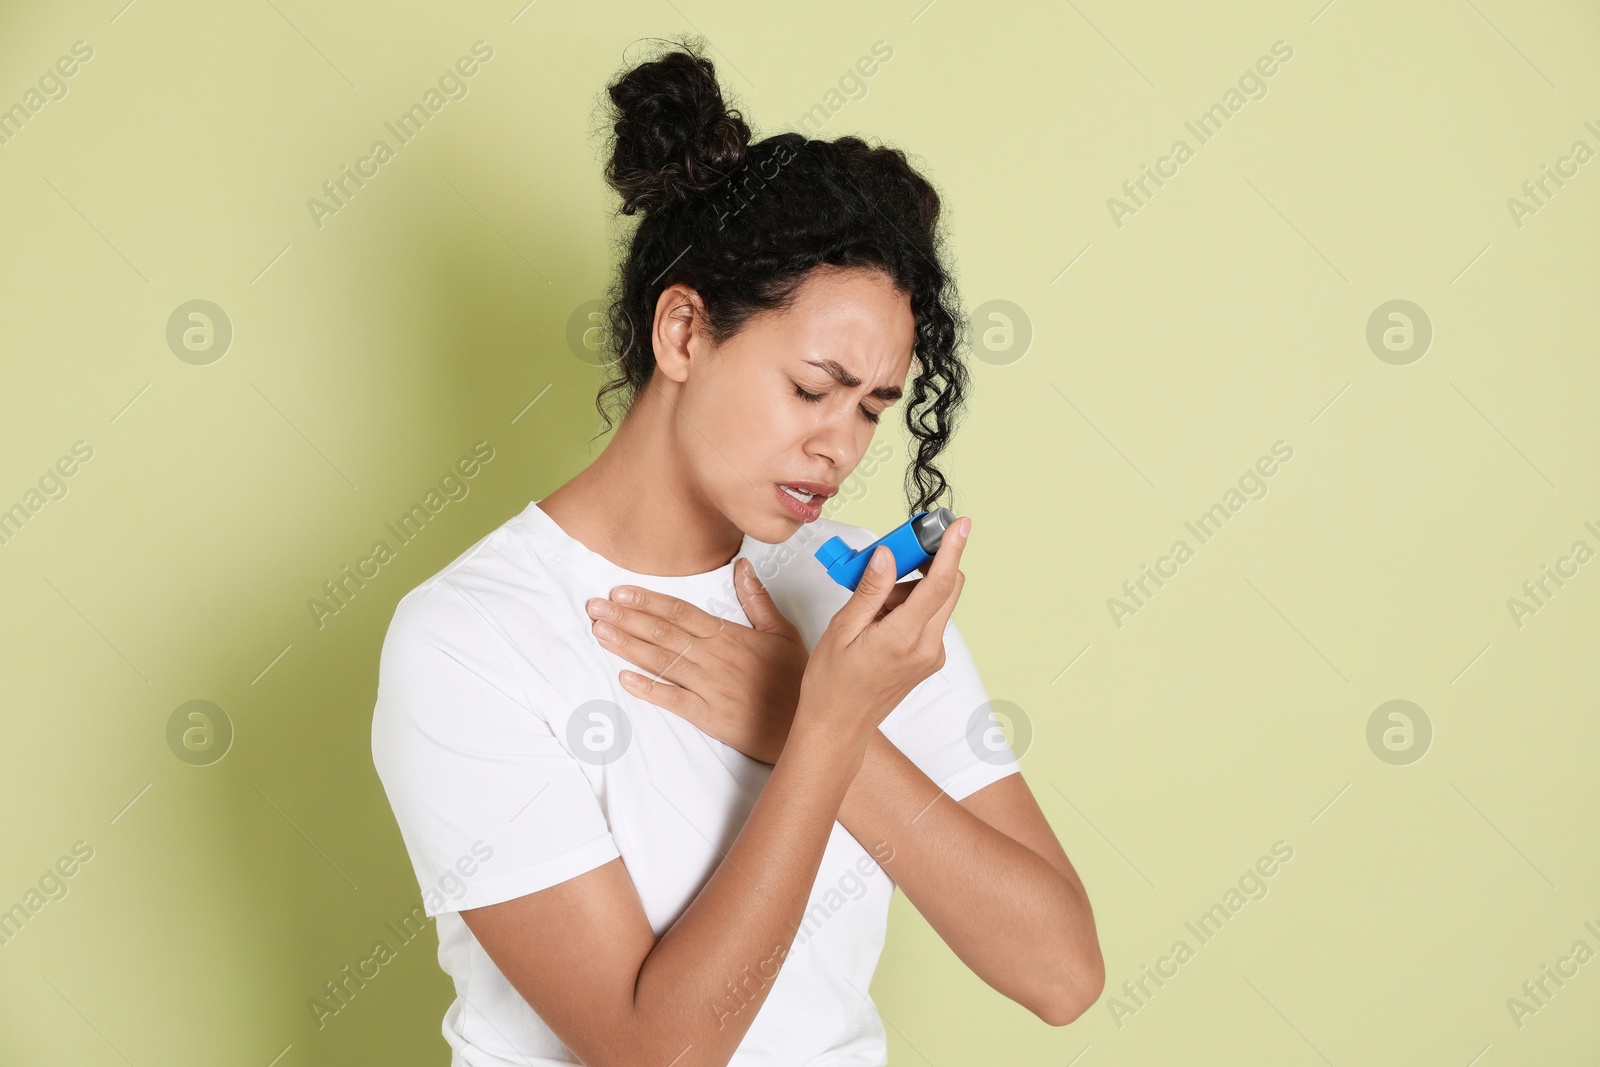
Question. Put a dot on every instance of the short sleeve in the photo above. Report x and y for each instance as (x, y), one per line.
(490, 804)
(945, 725)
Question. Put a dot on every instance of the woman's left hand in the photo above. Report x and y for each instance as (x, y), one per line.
(740, 684)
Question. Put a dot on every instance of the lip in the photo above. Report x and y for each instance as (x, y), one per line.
(822, 489)
(804, 512)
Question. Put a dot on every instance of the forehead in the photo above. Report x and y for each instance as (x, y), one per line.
(855, 316)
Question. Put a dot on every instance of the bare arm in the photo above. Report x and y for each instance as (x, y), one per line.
(582, 953)
(584, 956)
(990, 877)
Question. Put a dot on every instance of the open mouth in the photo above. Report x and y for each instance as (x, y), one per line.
(802, 504)
(799, 494)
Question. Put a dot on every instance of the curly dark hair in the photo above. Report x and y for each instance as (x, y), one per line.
(744, 224)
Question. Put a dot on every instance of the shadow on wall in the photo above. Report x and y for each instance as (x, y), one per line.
(322, 899)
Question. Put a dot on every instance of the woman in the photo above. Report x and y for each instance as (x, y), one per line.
(695, 867)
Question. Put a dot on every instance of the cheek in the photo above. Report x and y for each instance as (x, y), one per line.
(734, 428)
(782, 425)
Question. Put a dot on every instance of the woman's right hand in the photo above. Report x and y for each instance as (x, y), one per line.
(863, 665)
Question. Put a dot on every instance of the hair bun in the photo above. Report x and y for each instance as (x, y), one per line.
(674, 135)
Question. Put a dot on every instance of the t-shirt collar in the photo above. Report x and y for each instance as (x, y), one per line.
(557, 544)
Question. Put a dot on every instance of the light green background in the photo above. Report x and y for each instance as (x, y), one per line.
(1228, 313)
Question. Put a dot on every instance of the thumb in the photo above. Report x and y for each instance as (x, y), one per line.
(758, 606)
(876, 583)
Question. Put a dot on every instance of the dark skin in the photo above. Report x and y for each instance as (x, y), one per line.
(740, 689)
(707, 443)
(988, 873)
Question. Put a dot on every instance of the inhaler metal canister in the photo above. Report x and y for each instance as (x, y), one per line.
(913, 544)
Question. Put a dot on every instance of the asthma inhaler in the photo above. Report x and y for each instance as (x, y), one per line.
(913, 545)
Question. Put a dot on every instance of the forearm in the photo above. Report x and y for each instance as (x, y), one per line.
(1023, 925)
(701, 985)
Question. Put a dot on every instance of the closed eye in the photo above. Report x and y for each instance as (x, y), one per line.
(816, 398)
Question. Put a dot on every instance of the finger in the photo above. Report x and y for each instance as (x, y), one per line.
(933, 590)
(937, 623)
(680, 613)
(871, 591)
(676, 665)
(675, 699)
(758, 606)
(653, 629)
(897, 595)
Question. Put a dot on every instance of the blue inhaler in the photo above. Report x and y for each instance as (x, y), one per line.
(913, 545)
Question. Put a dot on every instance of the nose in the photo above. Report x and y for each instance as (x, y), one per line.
(836, 440)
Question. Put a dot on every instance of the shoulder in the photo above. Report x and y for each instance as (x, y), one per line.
(463, 617)
(448, 676)
(492, 572)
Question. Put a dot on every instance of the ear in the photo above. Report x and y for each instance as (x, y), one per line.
(675, 334)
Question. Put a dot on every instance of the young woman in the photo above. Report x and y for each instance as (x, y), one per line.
(694, 867)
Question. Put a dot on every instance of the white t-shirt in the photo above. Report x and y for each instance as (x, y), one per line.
(514, 759)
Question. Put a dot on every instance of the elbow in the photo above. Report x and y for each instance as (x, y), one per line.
(1081, 978)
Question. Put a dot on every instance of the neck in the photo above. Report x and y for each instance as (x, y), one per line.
(637, 504)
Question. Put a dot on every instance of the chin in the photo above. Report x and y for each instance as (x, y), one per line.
(768, 524)
(762, 517)
(772, 531)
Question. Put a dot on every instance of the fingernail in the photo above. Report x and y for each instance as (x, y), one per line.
(624, 596)
(598, 608)
(605, 630)
(629, 678)
(964, 527)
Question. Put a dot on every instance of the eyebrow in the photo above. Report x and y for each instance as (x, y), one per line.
(890, 393)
